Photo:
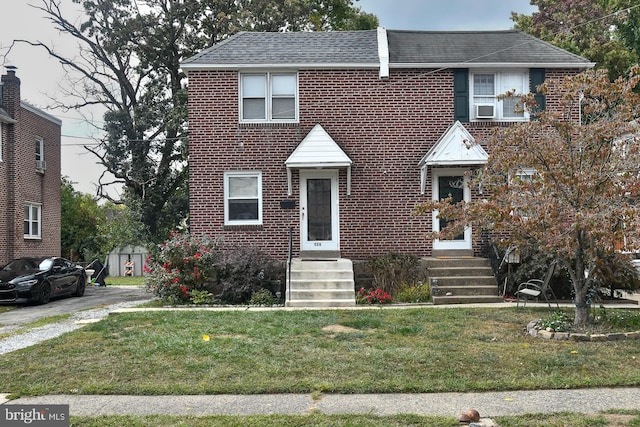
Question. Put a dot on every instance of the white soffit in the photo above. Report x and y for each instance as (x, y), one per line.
(318, 150)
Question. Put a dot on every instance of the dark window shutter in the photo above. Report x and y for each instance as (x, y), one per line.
(536, 78)
(461, 94)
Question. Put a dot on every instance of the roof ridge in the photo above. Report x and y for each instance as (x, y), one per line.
(454, 31)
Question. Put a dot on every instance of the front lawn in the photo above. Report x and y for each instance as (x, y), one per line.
(125, 280)
(321, 420)
(336, 351)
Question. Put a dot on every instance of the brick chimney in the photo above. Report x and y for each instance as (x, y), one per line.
(10, 92)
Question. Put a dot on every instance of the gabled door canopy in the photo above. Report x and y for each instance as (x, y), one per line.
(318, 150)
(456, 147)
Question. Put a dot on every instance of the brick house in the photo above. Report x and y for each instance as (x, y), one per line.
(30, 173)
(337, 136)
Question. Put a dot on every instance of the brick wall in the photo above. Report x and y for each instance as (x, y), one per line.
(385, 126)
(24, 183)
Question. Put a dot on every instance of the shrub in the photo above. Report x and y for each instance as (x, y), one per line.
(373, 296)
(187, 269)
(244, 271)
(414, 293)
(199, 297)
(181, 265)
(391, 270)
(263, 297)
(616, 272)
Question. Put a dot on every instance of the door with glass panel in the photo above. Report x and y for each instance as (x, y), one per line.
(319, 230)
(450, 183)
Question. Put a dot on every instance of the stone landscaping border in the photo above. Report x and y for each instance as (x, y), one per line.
(534, 329)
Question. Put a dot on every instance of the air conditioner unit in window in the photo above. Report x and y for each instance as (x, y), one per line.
(485, 111)
(41, 166)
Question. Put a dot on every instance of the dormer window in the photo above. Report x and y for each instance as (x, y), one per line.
(268, 97)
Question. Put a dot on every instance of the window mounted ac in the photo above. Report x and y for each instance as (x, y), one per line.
(485, 111)
(41, 166)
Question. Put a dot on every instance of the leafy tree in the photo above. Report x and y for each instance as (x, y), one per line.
(627, 22)
(81, 221)
(128, 63)
(603, 31)
(567, 183)
(121, 227)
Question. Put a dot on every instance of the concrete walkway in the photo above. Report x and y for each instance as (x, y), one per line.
(489, 404)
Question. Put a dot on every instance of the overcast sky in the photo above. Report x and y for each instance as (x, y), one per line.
(40, 76)
(445, 14)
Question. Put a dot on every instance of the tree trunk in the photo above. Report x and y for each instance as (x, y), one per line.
(583, 309)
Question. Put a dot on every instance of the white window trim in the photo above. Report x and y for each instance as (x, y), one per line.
(522, 177)
(40, 142)
(525, 174)
(269, 98)
(497, 103)
(31, 205)
(253, 174)
(41, 165)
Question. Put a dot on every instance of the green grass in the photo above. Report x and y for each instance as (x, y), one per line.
(5, 308)
(125, 281)
(319, 420)
(376, 351)
(316, 420)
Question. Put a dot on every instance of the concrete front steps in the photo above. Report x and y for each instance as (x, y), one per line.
(321, 283)
(462, 280)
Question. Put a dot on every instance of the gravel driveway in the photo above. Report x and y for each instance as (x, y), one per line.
(97, 303)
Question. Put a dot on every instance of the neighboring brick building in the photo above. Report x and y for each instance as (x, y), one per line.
(338, 136)
(29, 176)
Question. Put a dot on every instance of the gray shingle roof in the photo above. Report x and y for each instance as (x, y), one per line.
(475, 47)
(360, 48)
(259, 48)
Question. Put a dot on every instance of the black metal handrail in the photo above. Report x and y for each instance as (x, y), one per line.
(289, 257)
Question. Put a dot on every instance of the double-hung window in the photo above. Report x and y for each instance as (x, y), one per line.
(40, 163)
(268, 97)
(243, 198)
(32, 220)
(487, 86)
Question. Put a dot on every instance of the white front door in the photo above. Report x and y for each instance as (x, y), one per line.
(319, 219)
(445, 183)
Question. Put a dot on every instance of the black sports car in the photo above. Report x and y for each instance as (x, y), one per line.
(40, 279)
